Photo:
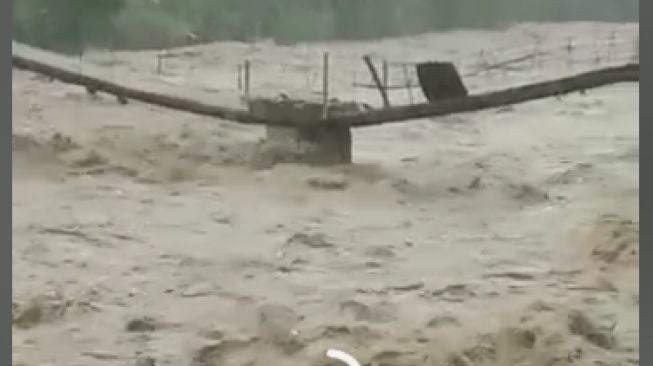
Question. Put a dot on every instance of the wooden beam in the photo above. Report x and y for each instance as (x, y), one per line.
(123, 93)
(389, 87)
(377, 80)
(248, 80)
(325, 85)
(505, 64)
(385, 71)
(580, 82)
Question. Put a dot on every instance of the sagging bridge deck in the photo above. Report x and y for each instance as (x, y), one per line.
(334, 131)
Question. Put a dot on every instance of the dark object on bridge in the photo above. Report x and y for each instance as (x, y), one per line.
(440, 80)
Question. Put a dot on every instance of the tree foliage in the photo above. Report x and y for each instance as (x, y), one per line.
(71, 25)
(65, 25)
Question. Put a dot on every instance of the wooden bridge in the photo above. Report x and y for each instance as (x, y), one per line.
(332, 134)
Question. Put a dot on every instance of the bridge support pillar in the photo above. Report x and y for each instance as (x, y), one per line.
(309, 141)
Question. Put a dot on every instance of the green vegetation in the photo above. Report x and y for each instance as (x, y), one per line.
(65, 25)
(72, 25)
